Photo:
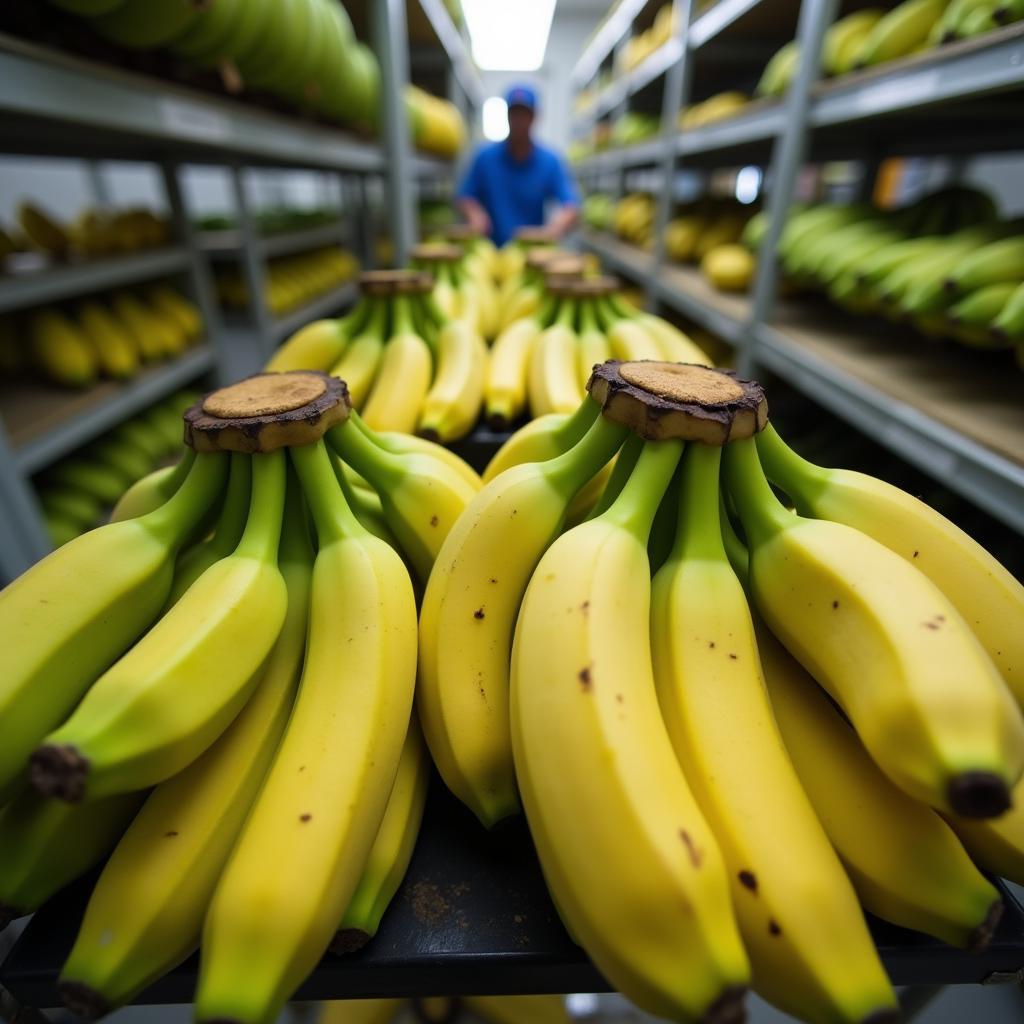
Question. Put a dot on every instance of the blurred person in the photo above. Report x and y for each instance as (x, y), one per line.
(509, 183)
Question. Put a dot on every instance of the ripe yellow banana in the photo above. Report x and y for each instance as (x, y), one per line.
(904, 861)
(149, 493)
(891, 649)
(552, 383)
(676, 347)
(358, 364)
(523, 302)
(146, 912)
(983, 591)
(324, 797)
(392, 848)
(452, 405)
(117, 355)
(61, 350)
(72, 614)
(469, 611)
(505, 390)
(317, 346)
(628, 339)
(996, 844)
(592, 345)
(809, 946)
(45, 844)
(541, 439)
(168, 698)
(597, 772)
(403, 376)
(421, 496)
(174, 305)
(401, 444)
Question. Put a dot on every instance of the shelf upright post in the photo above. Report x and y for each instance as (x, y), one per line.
(788, 153)
(253, 265)
(98, 184)
(392, 38)
(678, 77)
(363, 221)
(22, 539)
(198, 271)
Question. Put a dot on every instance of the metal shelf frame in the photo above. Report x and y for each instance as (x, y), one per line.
(786, 129)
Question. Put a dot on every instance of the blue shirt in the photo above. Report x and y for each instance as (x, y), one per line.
(513, 192)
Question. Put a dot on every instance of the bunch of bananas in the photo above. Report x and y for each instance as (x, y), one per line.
(944, 264)
(292, 281)
(698, 228)
(633, 219)
(464, 268)
(109, 337)
(633, 126)
(407, 365)
(716, 108)
(261, 684)
(76, 493)
(597, 211)
(964, 19)
(92, 233)
(541, 363)
(729, 267)
(682, 727)
(437, 126)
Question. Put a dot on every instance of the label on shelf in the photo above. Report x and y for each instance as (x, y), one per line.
(902, 91)
(193, 120)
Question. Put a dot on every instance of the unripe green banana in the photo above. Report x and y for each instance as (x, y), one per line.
(72, 614)
(82, 509)
(981, 308)
(994, 263)
(104, 482)
(149, 493)
(900, 32)
(1009, 325)
(165, 701)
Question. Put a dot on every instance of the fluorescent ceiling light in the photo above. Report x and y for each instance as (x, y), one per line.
(509, 35)
(495, 118)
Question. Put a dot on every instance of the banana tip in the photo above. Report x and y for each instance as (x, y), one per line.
(978, 794)
(348, 940)
(430, 434)
(728, 1008)
(59, 770)
(83, 1000)
(982, 935)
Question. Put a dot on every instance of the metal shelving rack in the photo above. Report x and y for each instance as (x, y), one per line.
(58, 104)
(912, 106)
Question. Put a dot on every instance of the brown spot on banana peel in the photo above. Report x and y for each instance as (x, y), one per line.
(748, 880)
(586, 681)
(695, 853)
(434, 520)
(774, 928)
(305, 817)
(478, 614)
(170, 835)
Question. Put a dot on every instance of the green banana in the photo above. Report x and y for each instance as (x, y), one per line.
(104, 482)
(1009, 325)
(981, 308)
(997, 262)
(900, 32)
(82, 509)
(200, 661)
(149, 493)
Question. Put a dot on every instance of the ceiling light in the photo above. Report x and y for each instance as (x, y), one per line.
(508, 35)
(495, 118)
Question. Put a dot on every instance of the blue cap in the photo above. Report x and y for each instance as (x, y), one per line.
(521, 96)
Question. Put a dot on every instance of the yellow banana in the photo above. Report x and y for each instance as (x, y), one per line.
(359, 1011)
(524, 302)
(552, 383)
(167, 699)
(597, 772)
(997, 844)
(809, 946)
(392, 848)
(72, 614)
(592, 345)
(146, 912)
(116, 354)
(505, 390)
(361, 357)
(421, 496)
(174, 305)
(469, 610)
(676, 347)
(983, 591)
(317, 346)
(541, 439)
(324, 797)
(896, 655)
(61, 350)
(452, 405)
(401, 444)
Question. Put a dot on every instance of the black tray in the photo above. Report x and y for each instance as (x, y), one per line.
(473, 917)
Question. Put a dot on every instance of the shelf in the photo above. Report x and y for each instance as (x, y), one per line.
(318, 308)
(619, 256)
(953, 412)
(44, 422)
(53, 102)
(604, 39)
(230, 242)
(56, 281)
(472, 917)
(455, 46)
(956, 71)
(426, 166)
(638, 78)
(688, 292)
(758, 122)
(715, 20)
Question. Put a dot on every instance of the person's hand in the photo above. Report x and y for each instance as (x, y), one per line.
(478, 219)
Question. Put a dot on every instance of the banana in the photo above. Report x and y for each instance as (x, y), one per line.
(552, 384)
(541, 439)
(149, 334)
(323, 800)
(103, 482)
(116, 354)
(392, 848)
(421, 496)
(507, 373)
(62, 351)
(69, 616)
(988, 597)
(900, 32)
(45, 844)
(729, 268)
(365, 504)
(592, 345)
(779, 71)
(905, 863)
(146, 911)
(997, 844)
(403, 376)
(999, 261)
(597, 772)
(175, 306)
(81, 509)
(359, 1011)
(524, 302)
(469, 611)
(149, 493)
(148, 434)
(228, 532)
(628, 340)
(890, 648)
(675, 346)
(125, 459)
(321, 344)
(402, 444)
(817, 964)
(1009, 325)
(359, 362)
(520, 1009)
(452, 405)
(980, 308)
(167, 699)
(873, 269)
(845, 38)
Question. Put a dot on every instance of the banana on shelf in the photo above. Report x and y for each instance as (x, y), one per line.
(557, 676)
(172, 679)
